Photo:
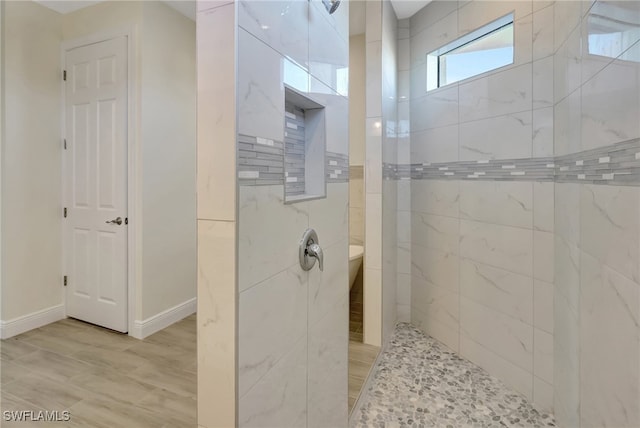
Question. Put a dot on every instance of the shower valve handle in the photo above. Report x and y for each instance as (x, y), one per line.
(314, 250)
(310, 251)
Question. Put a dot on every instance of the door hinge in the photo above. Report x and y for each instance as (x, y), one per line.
(126, 220)
(64, 212)
(65, 143)
(65, 280)
(64, 75)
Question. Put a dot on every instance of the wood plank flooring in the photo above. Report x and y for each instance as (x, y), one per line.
(103, 378)
(361, 356)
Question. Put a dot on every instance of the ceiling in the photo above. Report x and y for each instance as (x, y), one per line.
(403, 8)
(185, 7)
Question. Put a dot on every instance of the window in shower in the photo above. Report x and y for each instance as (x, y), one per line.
(482, 50)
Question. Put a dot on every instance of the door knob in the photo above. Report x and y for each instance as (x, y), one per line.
(310, 251)
(117, 220)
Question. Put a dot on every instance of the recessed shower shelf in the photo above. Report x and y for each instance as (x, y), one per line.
(304, 148)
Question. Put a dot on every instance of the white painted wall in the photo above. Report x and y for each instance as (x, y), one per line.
(166, 95)
(168, 143)
(31, 170)
(31, 173)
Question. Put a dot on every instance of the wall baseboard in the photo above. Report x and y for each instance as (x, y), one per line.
(31, 321)
(145, 328)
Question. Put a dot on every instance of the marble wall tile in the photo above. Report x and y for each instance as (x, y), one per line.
(435, 145)
(438, 108)
(502, 291)
(404, 257)
(611, 106)
(566, 347)
(403, 226)
(542, 145)
(509, 338)
(501, 137)
(543, 206)
(543, 31)
(328, 51)
(269, 21)
(427, 16)
(543, 355)
(505, 247)
(404, 54)
(543, 306)
(523, 41)
(273, 318)
(433, 37)
(280, 397)
(328, 369)
(434, 267)
(328, 288)
(609, 347)
(610, 226)
(373, 52)
(372, 306)
(216, 166)
(260, 89)
(373, 153)
(508, 203)
(330, 216)
(496, 94)
(567, 63)
(435, 311)
(404, 85)
(476, 14)
(373, 231)
(434, 232)
(543, 83)
(418, 79)
(567, 125)
(511, 374)
(403, 293)
(543, 256)
(567, 16)
(404, 194)
(217, 359)
(542, 394)
(260, 205)
(435, 197)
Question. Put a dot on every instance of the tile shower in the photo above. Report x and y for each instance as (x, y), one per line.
(506, 210)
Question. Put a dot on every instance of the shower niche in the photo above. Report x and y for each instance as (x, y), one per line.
(304, 148)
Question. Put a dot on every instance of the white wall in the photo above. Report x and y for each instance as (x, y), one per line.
(31, 170)
(168, 126)
(165, 141)
(165, 59)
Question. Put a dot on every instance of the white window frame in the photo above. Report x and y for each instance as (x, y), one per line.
(433, 58)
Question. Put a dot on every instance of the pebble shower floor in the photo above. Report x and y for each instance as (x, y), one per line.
(421, 383)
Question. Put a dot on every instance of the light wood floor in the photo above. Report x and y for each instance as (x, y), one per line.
(361, 356)
(103, 378)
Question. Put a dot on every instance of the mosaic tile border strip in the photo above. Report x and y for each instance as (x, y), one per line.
(617, 164)
(261, 163)
(337, 168)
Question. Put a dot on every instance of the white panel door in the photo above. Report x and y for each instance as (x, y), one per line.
(96, 183)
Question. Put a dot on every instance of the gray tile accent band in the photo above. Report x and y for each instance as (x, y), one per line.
(337, 168)
(617, 164)
(261, 163)
(294, 153)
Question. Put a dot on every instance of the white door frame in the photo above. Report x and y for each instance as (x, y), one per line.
(134, 255)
